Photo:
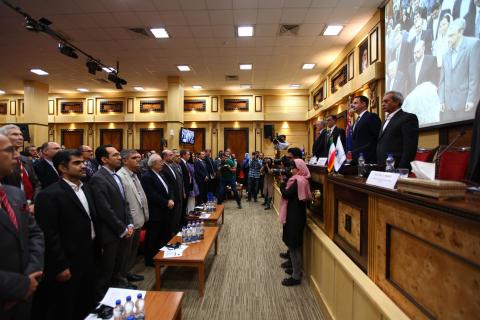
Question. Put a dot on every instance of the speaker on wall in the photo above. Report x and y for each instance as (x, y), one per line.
(25, 132)
(268, 131)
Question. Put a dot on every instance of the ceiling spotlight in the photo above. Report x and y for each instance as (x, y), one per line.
(93, 66)
(68, 51)
(197, 87)
(118, 85)
(246, 86)
(139, 88)
(31, 25)
(245, 66)
(245, 31)
(308, 66)
(160, 33)
(294, 86)
(113, 77)
(2, 92)
(332, 30)
(40, 72)
(109, 69)
(183, 67)
(82, 89)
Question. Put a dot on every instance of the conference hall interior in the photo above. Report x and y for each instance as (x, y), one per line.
(239, 159)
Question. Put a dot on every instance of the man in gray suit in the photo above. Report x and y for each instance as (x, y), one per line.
(137, 201)
(21, 244)
(459, 88)
(116, 223)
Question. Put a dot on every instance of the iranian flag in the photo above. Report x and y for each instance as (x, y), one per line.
(331, 155)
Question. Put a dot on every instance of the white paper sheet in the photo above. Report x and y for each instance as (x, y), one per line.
(383, 179)
(205, 215)
(118, 293)
(423, 170)
(321, 161)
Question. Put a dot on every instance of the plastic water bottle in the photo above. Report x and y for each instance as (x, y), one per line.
(361, 165)
(390, 163)
(130, 317)
(188, 238)
(118, 310)
(139, 308)
(184, 234)
(202, 230)
(194, 233)
(128, 307)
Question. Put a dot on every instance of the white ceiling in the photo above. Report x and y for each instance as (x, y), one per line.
(202, 36)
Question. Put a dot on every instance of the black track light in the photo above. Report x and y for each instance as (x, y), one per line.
(93, 66)
(68, 51)
(113, 77)
(31, 25)
(118, 86)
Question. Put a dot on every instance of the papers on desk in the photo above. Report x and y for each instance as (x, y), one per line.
(117, 293)
(205, 215)
(386, 180)
(169, 253)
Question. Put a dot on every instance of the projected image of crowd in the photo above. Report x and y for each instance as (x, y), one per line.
(433, 57)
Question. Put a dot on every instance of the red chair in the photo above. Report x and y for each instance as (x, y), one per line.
(424, 154)
(454, 164)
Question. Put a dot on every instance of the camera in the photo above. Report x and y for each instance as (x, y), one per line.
(282, 166)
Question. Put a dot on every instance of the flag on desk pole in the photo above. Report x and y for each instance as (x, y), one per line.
(331, 155)
(340, 156)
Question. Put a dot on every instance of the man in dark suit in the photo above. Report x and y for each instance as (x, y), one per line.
(212, 171)
(23, 175)
(66, 213)
(365, 131)
(202, 176)
(319, 146)
(175, 181)
(420, 35)
(161, 203)
(116, 223)
(399, 133)
(21, 245)
(187, 182)
(423, 69)
(91, 165)
(334, 132)
(395, 80)
(401, 51)
(44, 168)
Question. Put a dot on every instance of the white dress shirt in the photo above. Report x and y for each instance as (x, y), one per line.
(389, 117)
(161, 180)
(83, 200)
(418, 67)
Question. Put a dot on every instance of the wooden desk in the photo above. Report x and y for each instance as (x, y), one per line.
(194, 256)
(214, 216)
(165, 305)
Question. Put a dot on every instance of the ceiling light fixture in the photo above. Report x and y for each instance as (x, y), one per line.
(109, 69)
(308, 66)
(160, 33)
(2, 92)
(295, 86)
(246, 86)
(82, 89)
(245, 31)
(68, 51)
(93, 66)
(113, 77)
(40, 72)
(332, 30)
(139, 88)
(246, 66)
(197, 87)
(183, 67)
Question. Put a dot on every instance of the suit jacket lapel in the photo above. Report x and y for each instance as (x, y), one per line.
(110, 179)
(392, 121)
(7, 223)
(158, 182)
(73, 196)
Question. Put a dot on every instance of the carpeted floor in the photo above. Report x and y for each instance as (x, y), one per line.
(243, 280)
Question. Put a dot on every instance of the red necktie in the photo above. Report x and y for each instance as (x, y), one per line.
(8, 208)
(27, 185)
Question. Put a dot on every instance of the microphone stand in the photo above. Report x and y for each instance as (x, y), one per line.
(439, 155)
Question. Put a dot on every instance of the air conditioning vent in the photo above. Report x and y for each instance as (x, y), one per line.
(289, 29)
(141, 31)
(231, 78)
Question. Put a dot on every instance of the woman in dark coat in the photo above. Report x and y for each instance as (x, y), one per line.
(295, 194)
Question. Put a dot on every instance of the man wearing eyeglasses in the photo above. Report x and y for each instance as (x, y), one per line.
(21, 257)
(91, 165)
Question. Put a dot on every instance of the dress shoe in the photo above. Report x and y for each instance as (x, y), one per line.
(289, 271)
(288, 282)
(239, 206)
(284, 255)
(134, 277)
(267, 208)
(287, 264)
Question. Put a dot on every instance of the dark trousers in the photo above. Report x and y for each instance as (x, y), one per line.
(252, 188)
(223, 186)
(157, 235)
(212, 186)
(131, 253)
(203, 189)
(111, 262)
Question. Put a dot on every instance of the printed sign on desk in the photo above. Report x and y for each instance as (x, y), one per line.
(383, 179)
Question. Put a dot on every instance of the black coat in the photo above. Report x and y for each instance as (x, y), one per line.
(428, 72)
(157, 197)
(474, 168)
(365, 135)
(14, 178)
(67, 228)
(400, 137)
(337, 132)
(45, 173)
(187, 182)
(175, 185)
(319, 148)
(113, 211)
(201, 171)
(296, 217)
(21, 253)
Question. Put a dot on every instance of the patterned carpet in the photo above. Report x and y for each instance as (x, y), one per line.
(243, 280)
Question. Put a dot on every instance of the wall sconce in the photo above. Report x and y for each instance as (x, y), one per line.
(172, 133)
(214, 131)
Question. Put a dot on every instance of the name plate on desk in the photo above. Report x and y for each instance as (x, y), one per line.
(321, 161)
(383, 179)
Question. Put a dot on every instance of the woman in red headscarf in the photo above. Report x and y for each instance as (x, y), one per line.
(293, 216)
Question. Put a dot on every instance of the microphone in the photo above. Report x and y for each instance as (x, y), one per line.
(449, 146)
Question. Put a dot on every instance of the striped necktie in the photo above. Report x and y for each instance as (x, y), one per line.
(8, 208)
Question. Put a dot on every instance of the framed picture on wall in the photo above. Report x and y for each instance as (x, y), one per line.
(258, 103)
(90, 106)
(214, 104)
(374, 45)
(51, 107)
(13, 108)
(363, 56)
(351, 66)
(130, 105)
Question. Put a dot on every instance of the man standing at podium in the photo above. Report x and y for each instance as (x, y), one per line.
(365, 130)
